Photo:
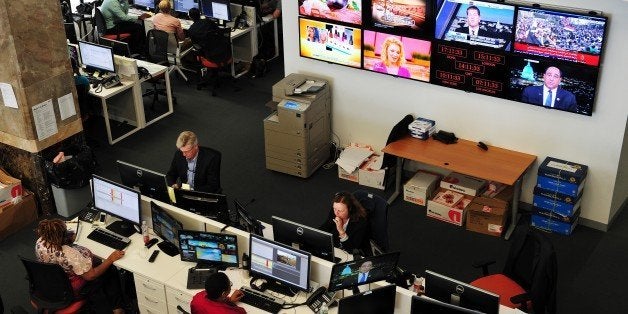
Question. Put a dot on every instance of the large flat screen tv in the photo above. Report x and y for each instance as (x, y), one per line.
(397, 55)
(330, 42)
(412, 18)
(567, 36)
(475, 22)
(335, 10)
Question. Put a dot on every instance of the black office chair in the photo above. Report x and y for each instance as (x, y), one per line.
(215, 59)
(529, 276)
(100, 28)
(157, 53)
(50, 288)
(398, 131)
(377, 209)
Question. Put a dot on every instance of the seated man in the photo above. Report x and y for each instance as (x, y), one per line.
(201, 28)
(215, 298)
(197, 166)
(164, 21)
(118, 20)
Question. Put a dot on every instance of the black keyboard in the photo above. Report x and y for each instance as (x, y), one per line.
(197, 277)
(261, 301)
(109, 238)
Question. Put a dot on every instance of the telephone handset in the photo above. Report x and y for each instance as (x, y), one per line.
(319, 297)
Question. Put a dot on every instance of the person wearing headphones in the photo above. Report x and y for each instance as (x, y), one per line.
(347, 222)
(215, 299)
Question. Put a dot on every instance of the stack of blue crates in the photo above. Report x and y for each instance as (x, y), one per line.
(557, 195)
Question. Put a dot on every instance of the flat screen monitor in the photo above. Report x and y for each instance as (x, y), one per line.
(148, 5)
(210, 205)
(458, 293)
(363, 271)
(96, 57)
(341, 11)
(166, 227)
(150, 183)
(330, 42)
(285, 268)
(573, 37)
(208, 250)
(473, 22)
(216, 9)
(317, 242)
(245, 221)
(410, 57)
(118, 201)
(412, 18)
(184, 6)
(422, 304)
(120, 48)
(377, 301)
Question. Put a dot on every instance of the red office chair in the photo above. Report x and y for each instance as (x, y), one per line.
(529, 276)
(215, 58)
(101, 28)
(50, 288)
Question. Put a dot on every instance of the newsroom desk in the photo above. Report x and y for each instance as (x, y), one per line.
(124, 103)
(496, 164)
(161, 286)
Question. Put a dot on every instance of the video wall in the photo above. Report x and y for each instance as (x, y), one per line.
(526, 53)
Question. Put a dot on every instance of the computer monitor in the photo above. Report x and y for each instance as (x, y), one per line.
(350, 274)
(118, 201)
(120, 48)
(147, 5)
(96, 57)
(317, 242)
(216, 9)
(208, 250)
(423, 304)
(210, 205)
(182, 7)
(377, 301)
(167, 228)
(150, 183)
(245, 221)
(458, 293)
(284, 268)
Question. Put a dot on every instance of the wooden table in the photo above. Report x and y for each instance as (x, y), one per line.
(496, 164)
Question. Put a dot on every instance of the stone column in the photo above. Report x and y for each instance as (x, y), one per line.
(36, 65)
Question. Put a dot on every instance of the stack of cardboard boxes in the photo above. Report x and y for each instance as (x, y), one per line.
(451, 199)
(490, 212)
(17, 207)
(557, 195)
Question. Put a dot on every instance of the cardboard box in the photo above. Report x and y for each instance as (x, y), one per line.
(353, 176)
(15, 216)
(10, 188)
(420, 187)
(463, 183)
(452, 214)
(559, 226)
(375, 178)
(490, 215)
(560, 186)
(562, 170)
(554, 205)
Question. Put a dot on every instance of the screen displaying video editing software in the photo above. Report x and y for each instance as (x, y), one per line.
(280, 262)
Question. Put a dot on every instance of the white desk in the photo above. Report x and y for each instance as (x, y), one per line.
(161, 285)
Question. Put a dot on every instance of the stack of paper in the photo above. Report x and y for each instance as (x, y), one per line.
(352, 157)
(422, 128)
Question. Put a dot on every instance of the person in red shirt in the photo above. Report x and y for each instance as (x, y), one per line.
(215, 299)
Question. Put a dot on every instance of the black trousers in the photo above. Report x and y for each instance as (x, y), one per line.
(104, 294)
(137, 42)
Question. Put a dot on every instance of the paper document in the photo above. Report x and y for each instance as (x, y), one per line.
(8, 96)
(171, 194)
(352, 157)
(45, 120)
(66, 106)
(310, 86)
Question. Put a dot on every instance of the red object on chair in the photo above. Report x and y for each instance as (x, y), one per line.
(99, 22)
(215, 56)
(502, 285)
(120, 36)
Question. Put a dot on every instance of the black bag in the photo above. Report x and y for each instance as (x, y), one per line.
(258, 67)
(75, 172)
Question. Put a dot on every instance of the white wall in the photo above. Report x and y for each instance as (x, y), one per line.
(366, 105)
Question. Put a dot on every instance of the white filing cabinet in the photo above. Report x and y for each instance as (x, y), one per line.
(177, 297)
(151, 295)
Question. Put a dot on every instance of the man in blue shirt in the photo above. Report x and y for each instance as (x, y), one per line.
(194, 165)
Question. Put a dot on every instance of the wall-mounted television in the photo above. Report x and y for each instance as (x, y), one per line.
(475, 22)
(412, 18)
(397, 55)
(330, 42)
(334, 10)
(568, 36)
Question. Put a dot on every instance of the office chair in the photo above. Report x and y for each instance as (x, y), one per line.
(157, 53)
(215, 58)
(50, 289)
(175, 53)
(398, 131)
(377, 209)
(181, 310)
(101, 28)
(529, 276)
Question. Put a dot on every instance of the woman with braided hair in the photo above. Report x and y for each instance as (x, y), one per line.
(87, 274)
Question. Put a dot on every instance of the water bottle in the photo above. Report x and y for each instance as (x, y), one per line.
(323, 309)
(145, 232)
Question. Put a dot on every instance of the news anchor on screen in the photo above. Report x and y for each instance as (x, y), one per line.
(365, 273)
(473, 24)
(550, 94)
(194, 165)
(392, 58)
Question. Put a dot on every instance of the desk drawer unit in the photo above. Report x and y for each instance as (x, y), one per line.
(177, 297)
(151, 295)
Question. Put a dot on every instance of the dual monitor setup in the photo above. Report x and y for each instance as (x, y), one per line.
(218, 10)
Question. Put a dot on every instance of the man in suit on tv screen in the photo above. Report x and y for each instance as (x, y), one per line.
(473, 24)
(364, 274)
(550, 94)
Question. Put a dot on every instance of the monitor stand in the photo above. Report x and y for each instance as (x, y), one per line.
(209, 265)
(122, 228)
(168, 248)
(278, 287)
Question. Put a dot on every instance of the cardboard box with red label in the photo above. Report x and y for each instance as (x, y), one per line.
(420, 187)
(10, 188)
(490, 215)
(462, 183)
(448, 206)
(14, 217)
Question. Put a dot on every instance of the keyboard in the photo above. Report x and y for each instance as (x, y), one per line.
(197, 277)
(261, 300)
(109, 238)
